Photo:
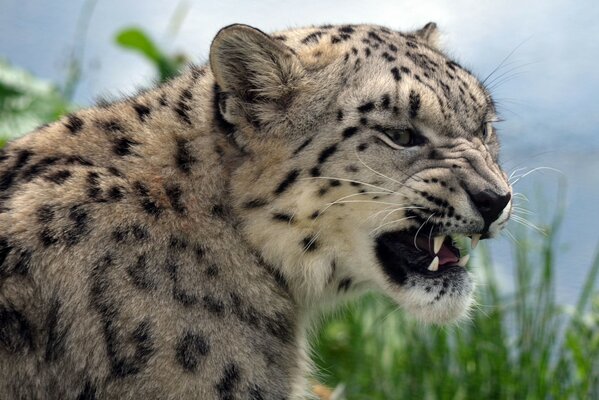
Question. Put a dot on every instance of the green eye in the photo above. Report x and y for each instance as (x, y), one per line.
(400, 138)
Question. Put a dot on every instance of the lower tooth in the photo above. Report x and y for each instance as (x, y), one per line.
(464, 260)
(434, 264)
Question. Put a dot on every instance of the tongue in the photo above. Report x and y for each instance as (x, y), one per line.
(446, 256)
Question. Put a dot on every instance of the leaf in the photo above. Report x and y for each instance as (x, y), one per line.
(138, 40)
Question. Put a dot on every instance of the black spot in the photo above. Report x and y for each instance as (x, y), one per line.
(38, 168)
(340, 115)
(335, 183)
(349, 132)
(374, 36)
(386, 100)
(405, 70)
(344, 285)
(346, 29)
(58, 177)
(280, 327)
(183, 157)
(226, 384)
(88, 392)
(322, 191)
(74, 159)
(366, 107)
(142, 111)
(392, 47)
(213, 305)
(122, 146)
(115, 193)
(388, 57)
(139, 232)
(312, 38)
(45, 214)
(21, 264)
(47, 237)
(287, 182)
(147, 202)
(395, 73)
(309, 243)
(315, 171)
(302, 146)
(282, 217)
(414, 104)
(190, 350)
(79, 219)
(57, 332)
(367, 52)
(174, 193)
(326, 153)
(74, 124)
(362, 146)
(255, 203)
(115, 171)
(93, 189)
(182, 109)
(256, 393)
(212, 271)
(111, 126)
(219, 211)
(140, 277)
(16, 332)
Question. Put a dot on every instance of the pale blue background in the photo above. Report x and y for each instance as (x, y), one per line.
(547, 95)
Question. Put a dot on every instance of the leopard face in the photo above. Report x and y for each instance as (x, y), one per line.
(367, 153)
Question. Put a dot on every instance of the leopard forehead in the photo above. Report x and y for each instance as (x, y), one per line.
(370, 65)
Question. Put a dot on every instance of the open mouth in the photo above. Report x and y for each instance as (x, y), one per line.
(401, 252)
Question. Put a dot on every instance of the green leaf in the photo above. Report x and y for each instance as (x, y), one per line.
(138, 40)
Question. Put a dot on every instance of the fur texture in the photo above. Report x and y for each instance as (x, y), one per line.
(176, 244)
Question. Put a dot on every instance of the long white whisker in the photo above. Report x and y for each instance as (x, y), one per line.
(349, 180)
(424, 223)
(534, 170)
(390, 222)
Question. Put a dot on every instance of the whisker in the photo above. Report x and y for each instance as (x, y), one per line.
(349, 180)
(528, 224)
(422, 225)
(534, 170)
(388, 223)
(329, 205)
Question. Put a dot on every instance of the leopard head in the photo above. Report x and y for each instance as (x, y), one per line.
(366, 153)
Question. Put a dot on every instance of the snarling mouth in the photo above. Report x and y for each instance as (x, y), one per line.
(401, 252)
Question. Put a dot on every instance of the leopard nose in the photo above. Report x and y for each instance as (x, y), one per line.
(490, 204)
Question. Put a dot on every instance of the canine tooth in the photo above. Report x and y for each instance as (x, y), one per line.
(464, 260)
(475, 239)
(434, 264)
(437, 243)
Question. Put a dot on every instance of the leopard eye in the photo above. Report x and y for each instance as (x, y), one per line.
(400, 138)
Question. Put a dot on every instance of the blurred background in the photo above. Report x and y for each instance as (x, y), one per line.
(535, 333)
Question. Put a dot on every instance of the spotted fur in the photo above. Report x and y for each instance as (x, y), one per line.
(176, 244)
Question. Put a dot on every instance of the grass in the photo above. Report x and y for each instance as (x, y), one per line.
(521, 345)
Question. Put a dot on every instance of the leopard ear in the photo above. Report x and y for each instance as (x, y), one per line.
(250, 65)
(429, 34)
